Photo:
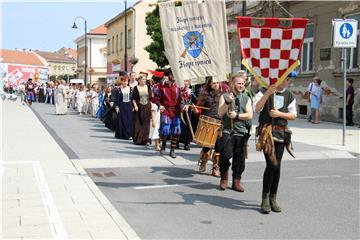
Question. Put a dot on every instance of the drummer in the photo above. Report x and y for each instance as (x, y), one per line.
(209, 98)
(236, 112)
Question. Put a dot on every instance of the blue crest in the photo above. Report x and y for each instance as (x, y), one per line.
(194, 43)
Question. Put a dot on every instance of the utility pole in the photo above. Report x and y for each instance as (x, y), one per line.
(126, 36)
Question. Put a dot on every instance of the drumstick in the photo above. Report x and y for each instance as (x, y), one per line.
(201, 107)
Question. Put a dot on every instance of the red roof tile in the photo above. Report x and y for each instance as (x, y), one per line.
(68, 51)
(55, 56)
(99, 30)
(20, 57)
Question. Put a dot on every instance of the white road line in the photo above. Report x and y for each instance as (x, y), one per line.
(311, 177)
(186, 184)
(156, 186)
(252, 180)
(58, 230)
(356, 175)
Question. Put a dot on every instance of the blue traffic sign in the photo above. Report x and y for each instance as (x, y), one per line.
(346, 30)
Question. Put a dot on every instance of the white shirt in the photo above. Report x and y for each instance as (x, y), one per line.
(291, 107)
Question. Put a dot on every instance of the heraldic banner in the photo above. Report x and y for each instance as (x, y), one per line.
(195, 40)
(271, 47)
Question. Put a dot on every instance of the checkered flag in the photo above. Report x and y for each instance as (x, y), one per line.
(271, 47)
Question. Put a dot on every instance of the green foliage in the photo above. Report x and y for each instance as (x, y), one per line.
(153, 29)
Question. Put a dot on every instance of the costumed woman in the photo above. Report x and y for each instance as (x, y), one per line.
(141, 99)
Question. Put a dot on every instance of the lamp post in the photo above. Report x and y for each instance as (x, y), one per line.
(85, 28)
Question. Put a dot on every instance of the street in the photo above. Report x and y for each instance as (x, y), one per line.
(164, 198)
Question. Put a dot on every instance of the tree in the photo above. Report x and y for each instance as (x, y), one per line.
(153, 29)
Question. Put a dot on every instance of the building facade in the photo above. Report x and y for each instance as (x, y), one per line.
(137, 40)
(18, 66)
(96, 56)
(318, 57)
(58, 63)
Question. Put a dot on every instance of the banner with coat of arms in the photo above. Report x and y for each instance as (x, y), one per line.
(195, 40)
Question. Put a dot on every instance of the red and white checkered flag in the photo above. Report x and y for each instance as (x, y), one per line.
(271, 50)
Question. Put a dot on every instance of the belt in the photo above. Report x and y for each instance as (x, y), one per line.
(278, 127)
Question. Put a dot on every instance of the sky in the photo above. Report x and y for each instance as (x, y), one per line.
(47, 26)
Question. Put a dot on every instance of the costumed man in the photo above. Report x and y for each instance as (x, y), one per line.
(168, 98)
(209, 99)
(30, 91)
(236, 112)
(276, 106)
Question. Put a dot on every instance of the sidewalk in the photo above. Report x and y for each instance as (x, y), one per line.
(43, 194)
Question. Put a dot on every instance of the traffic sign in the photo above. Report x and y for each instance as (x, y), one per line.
(345, 33)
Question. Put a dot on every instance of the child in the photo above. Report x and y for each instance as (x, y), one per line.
(155, 125)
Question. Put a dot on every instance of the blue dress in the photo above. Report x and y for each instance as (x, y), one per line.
(101, 111)
(315, 98)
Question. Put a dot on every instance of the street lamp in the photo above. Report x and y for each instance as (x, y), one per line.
(85, 25)
(125, 55)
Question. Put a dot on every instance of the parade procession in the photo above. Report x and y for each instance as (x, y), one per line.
(166, 132)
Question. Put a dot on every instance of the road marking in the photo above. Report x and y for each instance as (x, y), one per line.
(311, 177)
(356, 175)
(58, 230)
(186, 184)
(253, 180)
(156, 186)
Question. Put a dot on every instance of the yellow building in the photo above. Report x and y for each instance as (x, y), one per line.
(137, 40)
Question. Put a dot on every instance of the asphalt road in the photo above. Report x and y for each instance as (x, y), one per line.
(165, 198)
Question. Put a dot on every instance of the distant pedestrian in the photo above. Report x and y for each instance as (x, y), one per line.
(94, 100)
(350, 92)
(30, 91)
(316, 100)
(80, 99)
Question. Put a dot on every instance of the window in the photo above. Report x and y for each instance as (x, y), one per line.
(307, 50)
(117, 43)
(352, 53)
(121, 41)
(112, 45)
(108, 46)
(129, 43)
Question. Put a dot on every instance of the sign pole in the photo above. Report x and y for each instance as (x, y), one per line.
(344, 97)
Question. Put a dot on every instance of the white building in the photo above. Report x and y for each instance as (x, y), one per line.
(96, 56)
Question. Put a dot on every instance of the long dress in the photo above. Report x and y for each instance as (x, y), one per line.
(101, 111)
(142, 96)
(60, 104)
(110, 117)
(154, 131)
(124, 117)
(94, 102)
(41, 94)
(80, 100)
(315, 98)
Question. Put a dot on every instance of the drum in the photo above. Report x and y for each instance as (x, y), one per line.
(207, 131)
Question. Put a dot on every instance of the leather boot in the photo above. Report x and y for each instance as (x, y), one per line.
(216, 167)
(274, 205)
(236, 185)
(224, 181)
(174, 143)
(163, 146)
(202, 161)
(265, 203)
(172, 153)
